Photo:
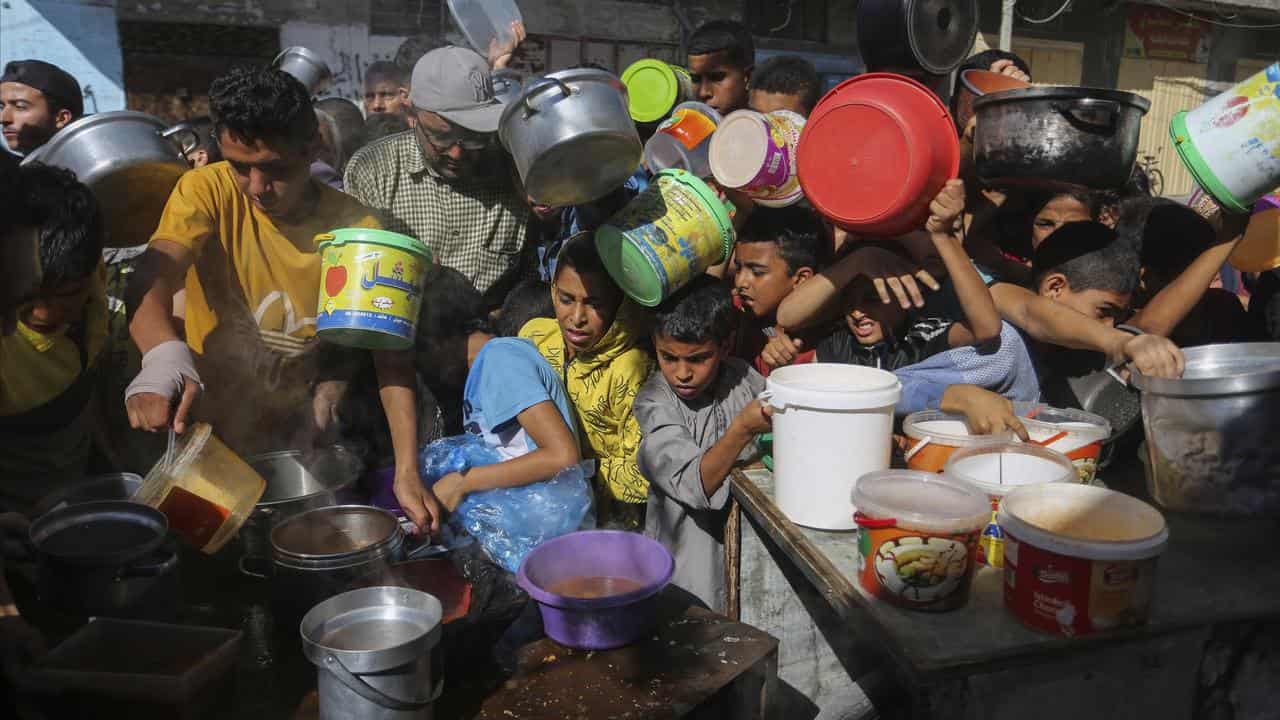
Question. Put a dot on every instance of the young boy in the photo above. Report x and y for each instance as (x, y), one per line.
(785, 82)
(721, 55)
(49, 366)
(776, 251)
(699, 416)
(593, 343)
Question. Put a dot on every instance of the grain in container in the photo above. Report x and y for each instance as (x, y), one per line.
(917, 535)
(1079, 559)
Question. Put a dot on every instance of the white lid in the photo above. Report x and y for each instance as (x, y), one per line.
(1043, 421)
(1084, 521)
(946, 429)
(921, 501)
(739, 148)
(831, 386)
(998, 468)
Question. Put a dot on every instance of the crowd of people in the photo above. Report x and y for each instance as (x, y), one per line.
(524, 338)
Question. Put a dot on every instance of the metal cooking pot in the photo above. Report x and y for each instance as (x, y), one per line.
(1210, 434)
(125, 161)
(294, 485)
(507, 85)
(107, 557)
(318, 553)
(308, 67)
(1058, 136)
(572, 137)
(931, 35)
(113, 486)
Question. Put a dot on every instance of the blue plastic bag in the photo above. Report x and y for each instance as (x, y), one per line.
(510, 522)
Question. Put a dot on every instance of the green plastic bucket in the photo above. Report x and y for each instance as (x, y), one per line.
(654, 88)
(371, 284)
(665, 237)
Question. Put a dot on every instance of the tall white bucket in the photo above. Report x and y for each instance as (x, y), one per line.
(832, 423)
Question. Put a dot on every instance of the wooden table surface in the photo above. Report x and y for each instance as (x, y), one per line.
(690, 656)
(1213, 572)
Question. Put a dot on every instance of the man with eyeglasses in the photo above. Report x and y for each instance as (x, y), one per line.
(446, 182)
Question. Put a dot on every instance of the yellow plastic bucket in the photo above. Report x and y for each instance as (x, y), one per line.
(668, 235)
(371, 286)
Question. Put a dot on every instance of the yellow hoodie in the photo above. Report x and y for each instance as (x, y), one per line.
(602, 383)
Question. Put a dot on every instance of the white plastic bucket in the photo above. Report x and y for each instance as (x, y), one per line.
(832, 423)
(1231, 144)
(1075, 433)
(936, 434)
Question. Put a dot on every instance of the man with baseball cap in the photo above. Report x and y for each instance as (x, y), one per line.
(37, 99)
(446, 182)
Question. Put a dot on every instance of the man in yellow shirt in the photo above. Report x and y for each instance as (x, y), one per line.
(241, 233)
(50, 362)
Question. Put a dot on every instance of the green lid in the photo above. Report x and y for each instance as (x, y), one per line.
(628, 264)
(652, 89)
(1198, 168)
(343, 236)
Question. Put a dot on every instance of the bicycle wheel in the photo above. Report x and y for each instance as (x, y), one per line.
(1155, 179)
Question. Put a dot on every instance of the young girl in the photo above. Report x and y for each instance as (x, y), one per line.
(593, 345)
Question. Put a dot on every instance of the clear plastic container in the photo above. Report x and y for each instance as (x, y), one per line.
(683, 141)
(936, 434)
(207, 492)
(483, 21)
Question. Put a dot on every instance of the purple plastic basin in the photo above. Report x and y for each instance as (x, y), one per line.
(597, 623)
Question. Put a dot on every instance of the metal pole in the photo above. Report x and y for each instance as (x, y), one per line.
(1006, 24)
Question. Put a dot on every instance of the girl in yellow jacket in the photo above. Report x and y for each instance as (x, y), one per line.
(594, 343)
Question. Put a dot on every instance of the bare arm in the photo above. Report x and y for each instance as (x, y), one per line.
(716, 462)
(818, 298)
(1172, 304)
(397, 388)
(981, 322)
(160, 274)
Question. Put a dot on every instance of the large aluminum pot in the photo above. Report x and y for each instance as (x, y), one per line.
(572, 137)
(1211, 445)
(295, 484)
(309, 68)
(128, 165)
(319, 553)
(1058, 136)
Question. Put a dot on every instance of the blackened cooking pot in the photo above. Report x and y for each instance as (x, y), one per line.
(107, 558)
(1058, 136)
(932, 35)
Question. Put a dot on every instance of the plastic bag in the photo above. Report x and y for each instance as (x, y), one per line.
(510, 522)
(454, 454)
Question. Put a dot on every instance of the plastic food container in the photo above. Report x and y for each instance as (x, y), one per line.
(683, 141)
(207, 492)
(1079, 559)
(917, 535)
(483, 21)
(370, 288)
(756, 154)
(832, 423)
(616, 576)
(666, 236)
(654, 88)
(935, 435)
(996, 469)
(1075, 433)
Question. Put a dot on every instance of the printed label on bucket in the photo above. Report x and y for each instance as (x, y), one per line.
(675, 231)
(915, 569)
(688, 126)
(370, 287)
(1238, 135)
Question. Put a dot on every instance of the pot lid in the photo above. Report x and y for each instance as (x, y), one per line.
(1063, 92)
(921, 501)
(652, 89)
(100, 533)
(939, 33)
(331, 531)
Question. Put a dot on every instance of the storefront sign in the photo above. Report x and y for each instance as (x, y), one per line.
(1157, 33)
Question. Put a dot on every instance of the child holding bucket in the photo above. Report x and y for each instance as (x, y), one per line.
(593, 343)
(699, 416)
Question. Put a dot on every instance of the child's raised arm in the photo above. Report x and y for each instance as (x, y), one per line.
(557, 449)
(981, 323)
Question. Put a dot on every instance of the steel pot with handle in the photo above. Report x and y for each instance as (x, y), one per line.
(930, 35)
(572, 137)
(1058, 136)
(130, 167)
(309, 68)
(1210, 434)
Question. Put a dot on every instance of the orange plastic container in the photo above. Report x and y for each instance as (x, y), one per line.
(206, 492)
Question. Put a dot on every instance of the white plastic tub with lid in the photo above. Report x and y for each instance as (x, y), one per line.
(832, 423)
(998, 468)
(936, 435)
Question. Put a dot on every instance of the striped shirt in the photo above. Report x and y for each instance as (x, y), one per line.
(475, 224)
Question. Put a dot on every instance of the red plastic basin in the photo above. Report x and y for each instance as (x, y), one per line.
(875, 152)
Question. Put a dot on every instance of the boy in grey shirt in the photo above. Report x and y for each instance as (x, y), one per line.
(699, 416)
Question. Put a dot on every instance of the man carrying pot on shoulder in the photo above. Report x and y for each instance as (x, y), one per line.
(239, 237)
(446, 182)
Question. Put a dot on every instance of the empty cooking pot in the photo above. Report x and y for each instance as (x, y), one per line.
(1058, 137)
(122, 157)
(309, 68)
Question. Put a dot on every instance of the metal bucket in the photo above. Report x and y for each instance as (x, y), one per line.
(308, 67)
(372, 649)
